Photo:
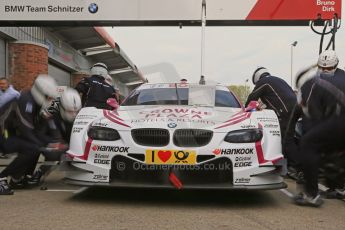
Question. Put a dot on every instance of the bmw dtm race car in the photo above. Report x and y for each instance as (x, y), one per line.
(177, 135)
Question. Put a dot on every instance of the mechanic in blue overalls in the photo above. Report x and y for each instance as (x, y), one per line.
(94, 90)
(323, 101)
(60, 115)
(277, 95)
(23, 122)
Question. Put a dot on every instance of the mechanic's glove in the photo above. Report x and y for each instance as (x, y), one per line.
(262, 106)
(45, 114)
(58, 146)
(53, 151)
(253, 106)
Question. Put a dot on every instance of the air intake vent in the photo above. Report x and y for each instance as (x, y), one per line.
(192, 137)
(151, 137)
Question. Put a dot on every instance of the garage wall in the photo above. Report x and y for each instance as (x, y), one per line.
(61, 76)
(26, 60)
(2, 57)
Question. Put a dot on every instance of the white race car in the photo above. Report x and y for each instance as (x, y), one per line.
(177, 135)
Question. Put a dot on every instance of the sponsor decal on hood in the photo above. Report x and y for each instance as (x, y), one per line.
(183, 116)
(190, 113)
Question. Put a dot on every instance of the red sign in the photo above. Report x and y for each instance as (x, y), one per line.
(294, 9)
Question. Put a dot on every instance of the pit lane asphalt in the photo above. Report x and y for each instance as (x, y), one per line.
(68, 207)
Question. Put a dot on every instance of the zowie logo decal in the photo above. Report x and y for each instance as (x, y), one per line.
(103, 148)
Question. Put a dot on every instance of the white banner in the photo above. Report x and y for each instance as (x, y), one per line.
(166, 10)
(91, 10)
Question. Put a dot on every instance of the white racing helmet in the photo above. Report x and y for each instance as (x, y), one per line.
(44, 89)
(305, 74)
(328, 59)
(99, 69)
(70, 104)
(259, 73)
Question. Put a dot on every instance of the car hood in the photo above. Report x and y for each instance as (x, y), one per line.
(174, 116)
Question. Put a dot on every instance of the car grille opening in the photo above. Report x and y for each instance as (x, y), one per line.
(192, 137)
(151, 137)
(214, 172)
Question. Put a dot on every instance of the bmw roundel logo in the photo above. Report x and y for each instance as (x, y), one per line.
(93, 8)
(172, 125)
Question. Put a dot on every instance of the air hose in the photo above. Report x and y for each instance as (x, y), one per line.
(331, 30)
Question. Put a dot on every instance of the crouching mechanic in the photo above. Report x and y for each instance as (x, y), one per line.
(277, 95)
(323, 101)
(24, 135)
(61, 115)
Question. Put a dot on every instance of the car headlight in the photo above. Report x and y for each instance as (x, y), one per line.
(103, 134)
(244, 136)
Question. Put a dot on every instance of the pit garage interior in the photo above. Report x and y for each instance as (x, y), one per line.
(65, 53)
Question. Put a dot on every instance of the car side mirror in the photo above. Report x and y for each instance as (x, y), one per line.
(252, 106)
(113, 103)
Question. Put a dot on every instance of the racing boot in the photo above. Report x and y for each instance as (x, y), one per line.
(340, 193)
(329, 194)
(18, 183)
(3, 156)
(304, 200)
(334, 194)
(35, 179)
(5, 189)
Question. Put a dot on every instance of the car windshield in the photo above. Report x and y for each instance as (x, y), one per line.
(175, 96)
